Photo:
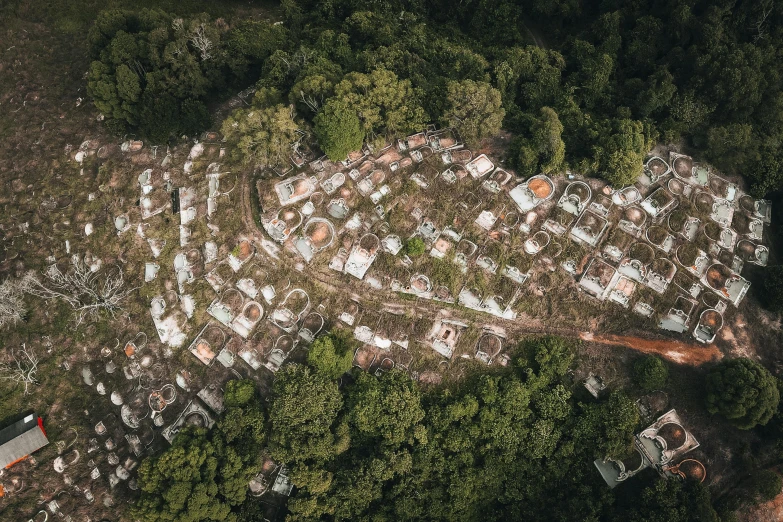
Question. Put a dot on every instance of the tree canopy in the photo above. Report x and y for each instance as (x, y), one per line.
(384, 103)
(204, 475)
(507, 444)
(617, 75)
(263, 134)
(474, 110)
(743, 391)
(155, 72)
(304, 411)
(650, 373)
(541, 148)
(332, 354)
(338, 129)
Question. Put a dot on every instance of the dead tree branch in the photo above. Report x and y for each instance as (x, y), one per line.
(201, 42)
(86, 291)
(12, 307)
(23, 370)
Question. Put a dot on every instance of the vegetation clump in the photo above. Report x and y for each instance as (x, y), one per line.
(650, 373)
(743, 391)
(332, 354)
(155, 72)
(415, 246)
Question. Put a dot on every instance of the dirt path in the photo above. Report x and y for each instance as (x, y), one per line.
(676, 351)
(247, 208)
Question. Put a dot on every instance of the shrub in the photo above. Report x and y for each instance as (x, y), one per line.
(650, 373)
(743, 391)
(415, 246)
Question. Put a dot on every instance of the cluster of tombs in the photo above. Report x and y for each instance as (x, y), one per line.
(252, 320)
(660, 447)
(681, 227)
(137, 405)
(147, 402)
(681, 231)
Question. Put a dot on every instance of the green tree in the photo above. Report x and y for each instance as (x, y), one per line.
(331, 355)
(192, 481)
(311, 92)
(593, 72)
(743, 391)
(154, 72)
(338, 130)
(620, 152)
(474, 110)
(655, 93)
(415, 246)
(544, 359)
(529, 77)
(239, 392)
(263, 134)
(650, 373)
(731, 145)
(304, 411)
(387, 408)
(544, 150)
(669, 501)
(384, 103)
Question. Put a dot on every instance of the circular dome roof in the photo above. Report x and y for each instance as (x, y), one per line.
(673, 434)
(540, 188)
(692, 469)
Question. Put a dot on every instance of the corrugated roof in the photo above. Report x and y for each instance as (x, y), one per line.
(20, 439)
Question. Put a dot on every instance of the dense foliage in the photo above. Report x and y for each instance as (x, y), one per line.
(415, 246)
(155, 72)
(263, 133)
(338, 129)
(650, 373)
(474, 110)
(511, 444)
(614, 76)
(743, 391)
(204, 475)
(332, 354)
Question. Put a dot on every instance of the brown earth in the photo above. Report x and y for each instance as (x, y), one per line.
(676, 351)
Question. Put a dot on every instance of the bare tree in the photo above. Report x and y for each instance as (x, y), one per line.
(201, 42)
(23, 370)
(759, 26)
(86, 291)
(12, 307)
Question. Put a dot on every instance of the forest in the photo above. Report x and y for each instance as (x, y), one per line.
(597, 85)
(511, 444)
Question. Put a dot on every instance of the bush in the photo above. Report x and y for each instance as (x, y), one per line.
(415, 246)
(239, 392)
(332, 355)
(650, 373)
(743, 391)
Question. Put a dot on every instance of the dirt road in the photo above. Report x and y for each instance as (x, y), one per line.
(676, 351)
